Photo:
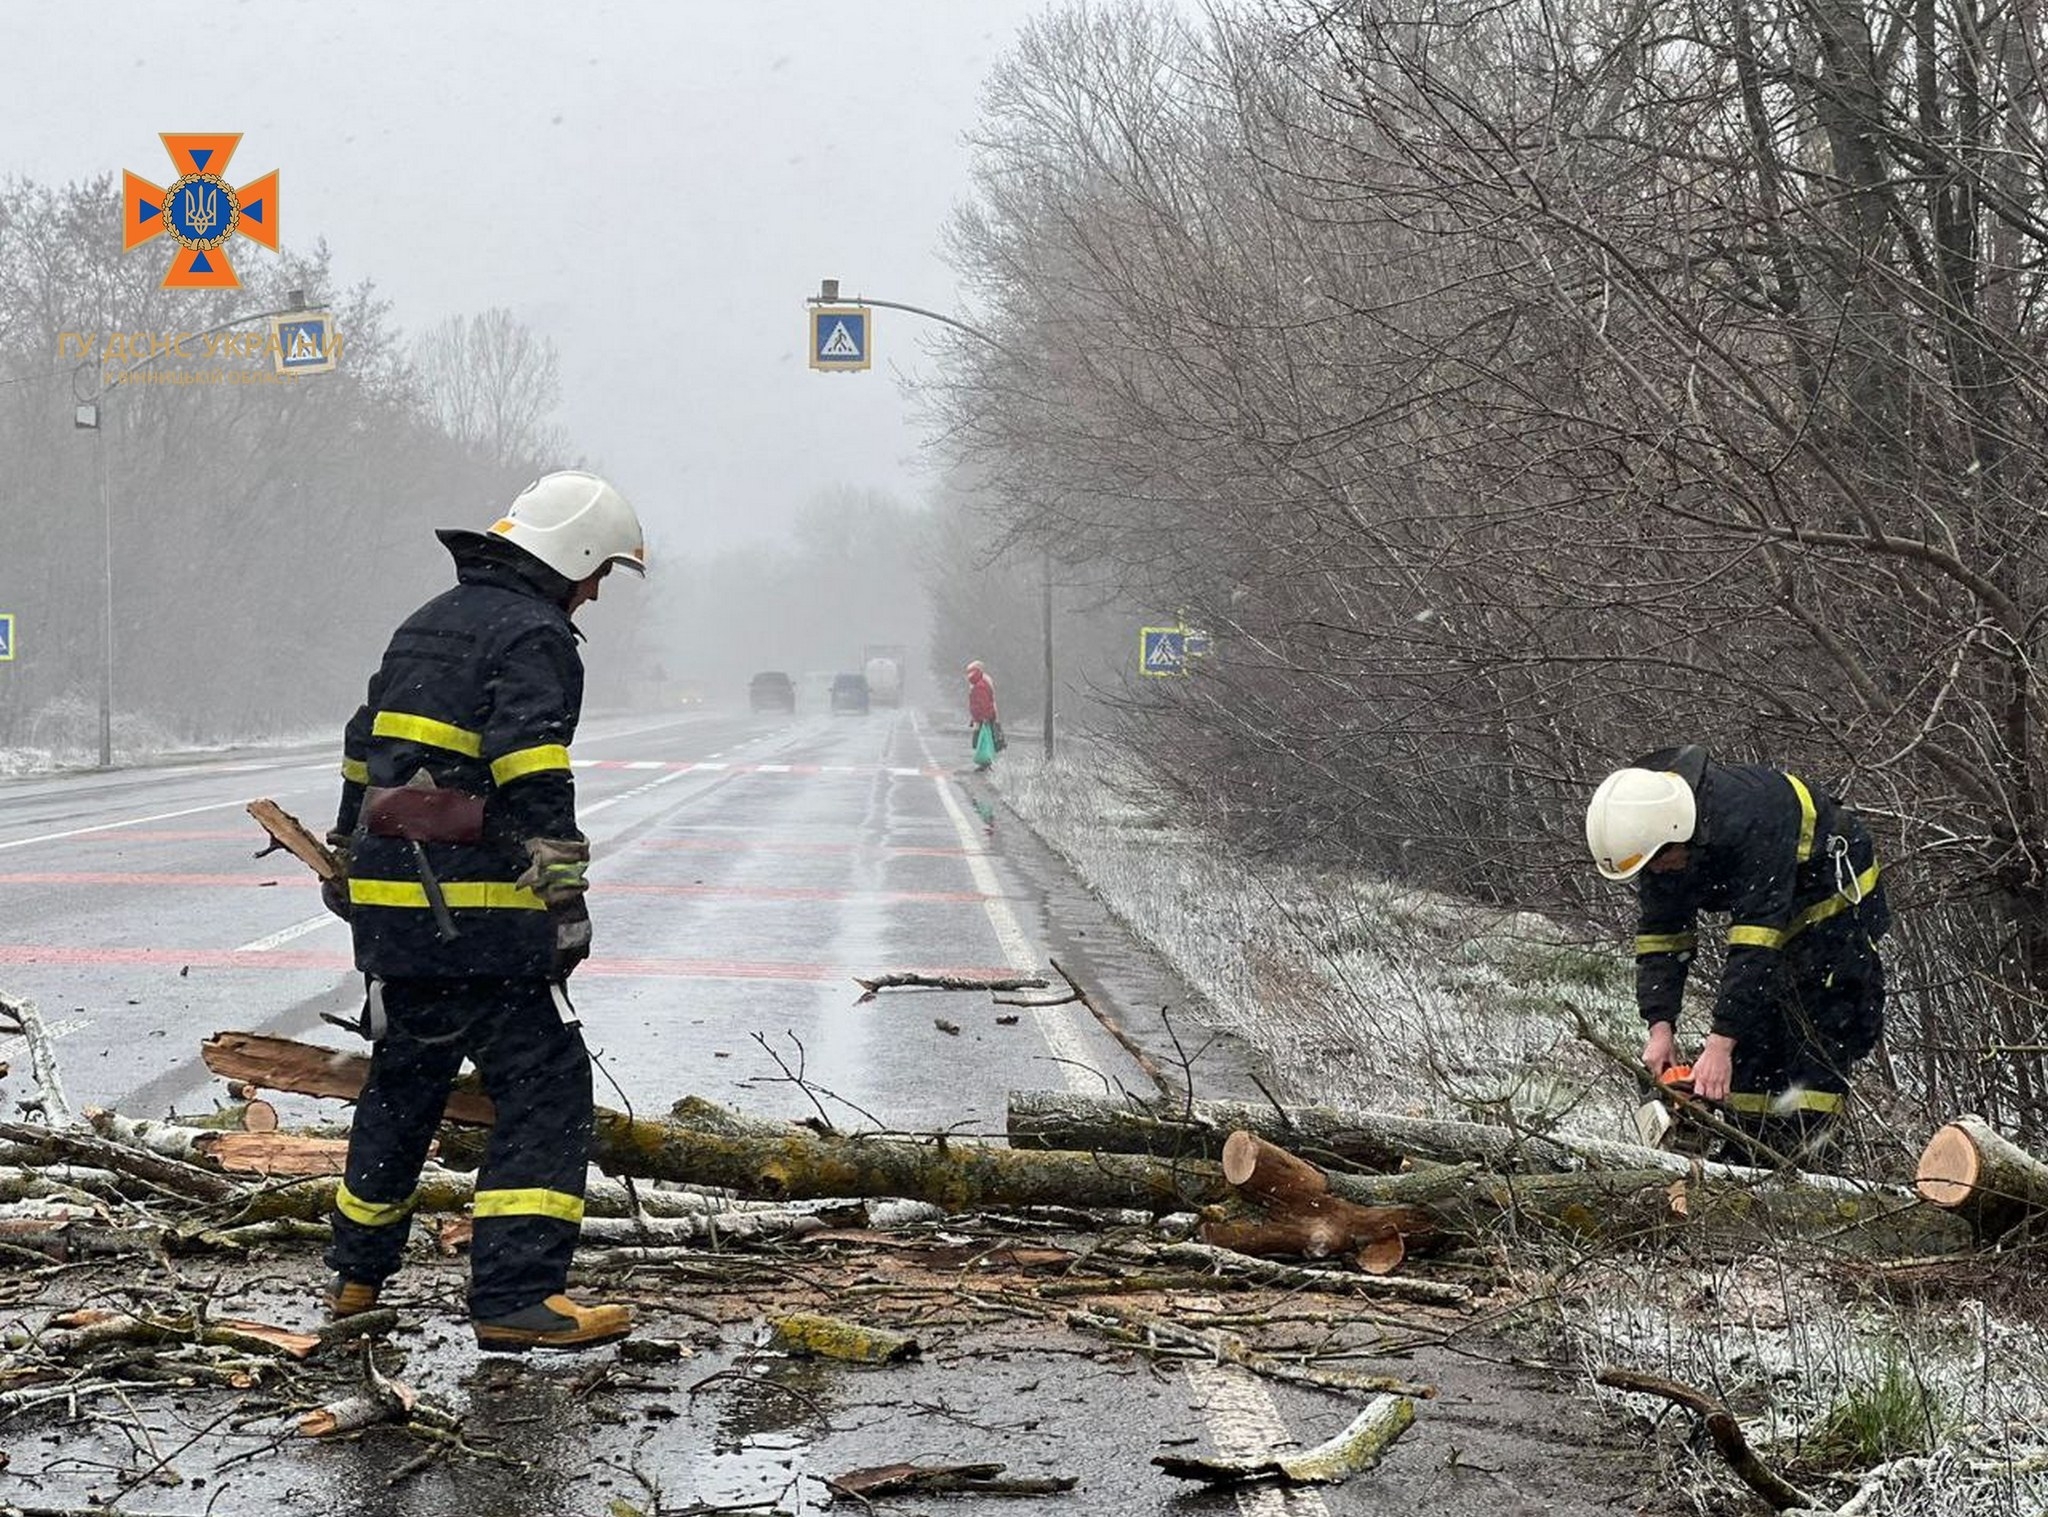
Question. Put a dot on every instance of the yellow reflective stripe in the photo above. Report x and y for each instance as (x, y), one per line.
(1806, 817)
(1752, 1103)
(355, 771)
(424, 729)
(463, 895)
(525, 761)
(372, 1213)
(560, 1205)
(1667, 942)
(1835, 904)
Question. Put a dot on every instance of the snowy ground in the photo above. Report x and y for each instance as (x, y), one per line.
(1934, 1379)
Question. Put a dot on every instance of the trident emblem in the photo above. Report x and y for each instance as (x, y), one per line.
(202, 208)
(201, 211)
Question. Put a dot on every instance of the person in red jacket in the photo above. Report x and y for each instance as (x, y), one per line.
(981, 706)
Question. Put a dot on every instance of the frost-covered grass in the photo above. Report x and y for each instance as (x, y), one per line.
(1355, 991)
(1358, 992)
(65, 734)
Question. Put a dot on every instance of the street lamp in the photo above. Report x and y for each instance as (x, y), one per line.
(86, 417)
(828, 294)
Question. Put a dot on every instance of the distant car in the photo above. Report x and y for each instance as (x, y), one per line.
(771, 690)
(850, 693)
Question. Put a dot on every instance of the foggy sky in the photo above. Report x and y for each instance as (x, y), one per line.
(655, 186)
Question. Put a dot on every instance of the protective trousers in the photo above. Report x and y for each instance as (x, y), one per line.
(529, 1192)
(1791, 1075)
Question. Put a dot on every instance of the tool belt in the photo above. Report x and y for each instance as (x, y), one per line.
(420, 815)
(420, 812)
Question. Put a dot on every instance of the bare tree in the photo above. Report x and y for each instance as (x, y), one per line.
(492, 383)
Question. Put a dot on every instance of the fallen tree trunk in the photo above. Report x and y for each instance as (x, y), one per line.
(790, 1163)
(1350, 1138)
(1973, 1170)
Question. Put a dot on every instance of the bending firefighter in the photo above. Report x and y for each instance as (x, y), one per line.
(465, 888)
(1801, 997)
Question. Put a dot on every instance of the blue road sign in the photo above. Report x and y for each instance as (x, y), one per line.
(839, 338)
(306, 343)
(1162, 652)
(1195, 642)
(6, 636)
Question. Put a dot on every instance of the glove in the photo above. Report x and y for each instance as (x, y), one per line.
(572, 936)
(334, 892)
(558, 871)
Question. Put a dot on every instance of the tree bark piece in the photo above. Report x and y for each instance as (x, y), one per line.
(1726, 1433)
(1970, 1168)
(289, 833)
(1353, 1451)
(809, 1335)
(1294, 1212)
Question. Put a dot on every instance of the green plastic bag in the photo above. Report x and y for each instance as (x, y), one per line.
(984, 744)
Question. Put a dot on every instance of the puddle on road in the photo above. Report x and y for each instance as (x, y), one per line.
(759, 1456)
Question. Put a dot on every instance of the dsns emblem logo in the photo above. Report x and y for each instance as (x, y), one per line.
(201, 211)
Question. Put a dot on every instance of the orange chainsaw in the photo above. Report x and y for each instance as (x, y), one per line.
(1658, 1123)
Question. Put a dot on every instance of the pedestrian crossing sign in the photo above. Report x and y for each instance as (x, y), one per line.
(839, 338)
(6, 636)
(1162, 652)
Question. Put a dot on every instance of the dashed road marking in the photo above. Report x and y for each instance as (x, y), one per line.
(289, 934)
(1244, 1422)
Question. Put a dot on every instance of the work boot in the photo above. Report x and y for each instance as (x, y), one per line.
(556, 1322)
(346, 1297)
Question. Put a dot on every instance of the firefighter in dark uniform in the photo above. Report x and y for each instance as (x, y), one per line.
(1801, 997)
(465, 880)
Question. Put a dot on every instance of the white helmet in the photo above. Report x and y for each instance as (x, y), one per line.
(1633, 814)
(576, 524)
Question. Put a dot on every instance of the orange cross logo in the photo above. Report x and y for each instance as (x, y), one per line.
(200, 211)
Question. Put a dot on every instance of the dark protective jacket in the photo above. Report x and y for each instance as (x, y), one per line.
(1795, 871)
(481, 687)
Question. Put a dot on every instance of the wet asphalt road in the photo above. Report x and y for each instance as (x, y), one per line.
(745, 868)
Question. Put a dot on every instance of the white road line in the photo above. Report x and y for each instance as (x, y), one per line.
(1244, 1422)
(771, 769)
(638, 790)
(647, 764)
(1070, 1052)
(289, 934)
(133, 821)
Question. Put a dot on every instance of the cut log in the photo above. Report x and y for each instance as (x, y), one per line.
(1970, 1168)
(309, 1070)
(1293, 1213)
